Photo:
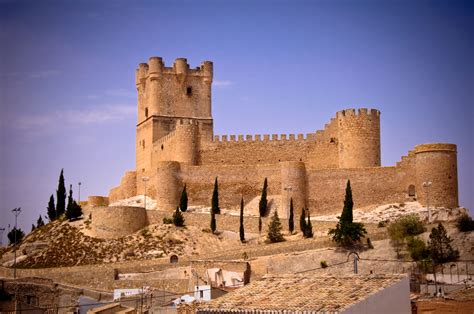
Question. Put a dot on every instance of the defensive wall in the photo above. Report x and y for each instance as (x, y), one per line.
(175, 146)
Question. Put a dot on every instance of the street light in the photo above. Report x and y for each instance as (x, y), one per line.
(288, 189)
(1, 236)
(79, 197)
(427, 185)
(16, 212)
(145, 179)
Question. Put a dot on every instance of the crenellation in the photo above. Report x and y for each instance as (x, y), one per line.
(282, 137)
(274, 137)
(248, 138)
(301, 137)
(266, 137)
(232, 138)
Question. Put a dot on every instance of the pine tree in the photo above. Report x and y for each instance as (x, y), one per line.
(440, 247)
(178, 219)
(274, 229)
(213, 222)
(51, 209)
(347, 232)
(241, 229)
(309, 227)
(61, 196)
(262, 205)
(215, 199)
(303, 221)
(291, 223)
(183, 203)
(39, 222)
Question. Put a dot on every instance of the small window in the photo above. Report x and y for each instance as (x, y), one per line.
(162, 147)
(146, 112)
(189, 91)
(411, 190)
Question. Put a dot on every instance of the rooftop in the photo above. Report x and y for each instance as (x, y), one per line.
(301, 293)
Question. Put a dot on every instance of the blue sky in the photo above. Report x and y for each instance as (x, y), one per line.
(68, 96)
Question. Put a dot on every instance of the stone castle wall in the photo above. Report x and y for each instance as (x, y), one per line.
(108, 221)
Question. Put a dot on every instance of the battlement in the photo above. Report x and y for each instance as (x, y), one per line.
(156, 67)
(263, 138)
(433, 147)
(361, 112)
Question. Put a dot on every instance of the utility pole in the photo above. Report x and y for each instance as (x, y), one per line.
(427, 185)
(1, 236)
(79, 197)
(16, 212)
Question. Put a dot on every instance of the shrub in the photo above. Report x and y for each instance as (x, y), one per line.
(323, 264)
(382, 224)
(465, 223)
(417, 249)
(178, 219)
(19, 235)
(167, 220)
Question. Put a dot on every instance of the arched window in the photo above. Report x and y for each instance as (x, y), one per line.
(411, 190)
(173, 259)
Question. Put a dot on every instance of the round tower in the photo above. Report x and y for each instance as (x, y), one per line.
(293, 185)
(359, 138)
(168, 185)
(436, 174)
(153, 95)
(181, 66)
(186, 148)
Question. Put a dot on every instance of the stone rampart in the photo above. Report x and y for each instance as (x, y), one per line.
(126, 189)
(118, 221)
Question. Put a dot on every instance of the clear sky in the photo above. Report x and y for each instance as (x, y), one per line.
(68, 98)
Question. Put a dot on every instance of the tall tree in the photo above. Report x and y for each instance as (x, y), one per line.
(183, 202)
(213, 222)
(69, 203)
(309, 227)
(51, 209)
(178, 219)
(33, 227)
(241, 228)
(259, 224)
(15, 236)
(39, 222)
(440, 247)
(74, 211)
(61, 196)
(262, 205)
(215, 199)
(347, 232)
(274, 229)
(303, 221)
(291, 223)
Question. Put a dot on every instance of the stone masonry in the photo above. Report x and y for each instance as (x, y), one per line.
(175, 145)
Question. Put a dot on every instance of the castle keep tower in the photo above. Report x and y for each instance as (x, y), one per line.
(167, 96)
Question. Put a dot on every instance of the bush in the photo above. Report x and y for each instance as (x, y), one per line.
(178, 219)
(323, 264)
(19, 235)
(465, 223)
(382, 224)
(167, 221)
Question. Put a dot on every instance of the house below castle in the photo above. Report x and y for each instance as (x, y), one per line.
(176, 146)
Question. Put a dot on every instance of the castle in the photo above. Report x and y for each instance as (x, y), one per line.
(176, 146)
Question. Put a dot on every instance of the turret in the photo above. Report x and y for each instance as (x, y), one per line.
(181, 66)
(436, 174)
(359, 138)
(293, 185)
(186, 149)
(168, 185)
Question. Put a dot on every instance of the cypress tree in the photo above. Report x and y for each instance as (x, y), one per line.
(77, 210)
(309, 227)
(274, 229)
(40, 222)
(259, 224)
(215, 199)
(262, 205)
(346, 216)
(33, 227)
(291, 223)
(178, 219)
(61, 196)
(213, 222)
(183, 203)
(241, 229)
(303, 221)
(69, 208)
(51, 209)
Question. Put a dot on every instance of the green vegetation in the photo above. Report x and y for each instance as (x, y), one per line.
(347, 232)
(178, 219)
(15, 236)
(302, 220)
(308, 230)
(274, 229)
(291, 223)
(73, 210)
(465, 223)
(417, 249)
(323, 264)
(167, 221)
(439, 246)
(404, 229)
(183, 202)
(61, 196)
(51, 209)
(241, 228)
(213, 222)
(39, 222)
(215, 199)
(262, 205)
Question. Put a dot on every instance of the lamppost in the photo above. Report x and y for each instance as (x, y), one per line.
(427, 185)
(16, 212)
(145, 179)
(1, 236)
(79, 197)
(288, 189)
